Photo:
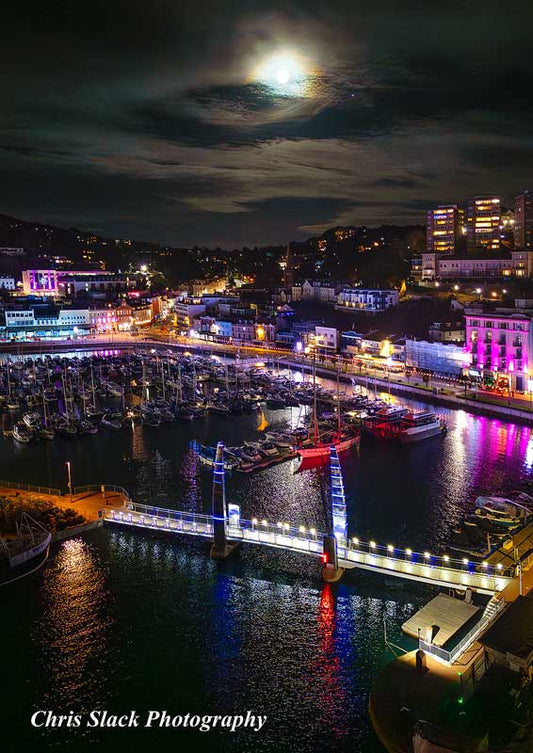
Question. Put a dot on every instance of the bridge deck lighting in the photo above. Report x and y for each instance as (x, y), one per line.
(355, 540)
(280, 525)
(427, 555)
(465, 561)
(499, 565)
(312, 531)
(408, 552)
(390, 548)
(254, 521)
(286, 526)
(372, 544)
(446, 558)
(485, 564)
(264, 522)
(302, 529)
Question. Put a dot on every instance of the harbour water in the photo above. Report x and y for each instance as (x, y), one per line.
(125, 620)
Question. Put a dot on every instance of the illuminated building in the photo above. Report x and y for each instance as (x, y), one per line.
(500, 344)
(45, 322)
(444, 230)
(523, 221)
(483, 222)
(450, 268)
(367, 300)
(71, 283)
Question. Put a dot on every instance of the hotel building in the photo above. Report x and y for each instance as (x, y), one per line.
(483, 222)
(523, 221)
(500, 345)
(444, 229)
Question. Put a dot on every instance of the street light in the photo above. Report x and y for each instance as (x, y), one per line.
(69, 474)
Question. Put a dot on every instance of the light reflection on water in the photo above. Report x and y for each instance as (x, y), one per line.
(126, 620)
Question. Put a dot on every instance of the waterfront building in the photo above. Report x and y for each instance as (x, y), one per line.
(112, 319)
(443, 358)
(243, 331)
(499, 342)
(367, 300)
(483, 222)
(523, 221)
(326, 339)
(186, 310)
(46, 322)
(445, 229)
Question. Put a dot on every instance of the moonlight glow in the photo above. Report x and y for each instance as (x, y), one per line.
(284, 72)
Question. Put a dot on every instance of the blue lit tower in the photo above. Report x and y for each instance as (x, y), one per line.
(338, 529)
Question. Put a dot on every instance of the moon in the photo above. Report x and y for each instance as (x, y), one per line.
(282, 71)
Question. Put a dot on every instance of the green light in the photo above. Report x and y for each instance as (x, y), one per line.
(460, 700)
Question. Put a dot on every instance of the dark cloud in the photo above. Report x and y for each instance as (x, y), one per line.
(146, 120)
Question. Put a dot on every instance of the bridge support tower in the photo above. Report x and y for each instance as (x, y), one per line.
(331, 572)
(220, 547)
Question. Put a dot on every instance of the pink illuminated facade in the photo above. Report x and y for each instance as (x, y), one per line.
(500, 343)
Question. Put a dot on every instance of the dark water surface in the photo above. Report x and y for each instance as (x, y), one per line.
(124, 620)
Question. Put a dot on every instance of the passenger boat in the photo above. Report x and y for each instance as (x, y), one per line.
(419, 426)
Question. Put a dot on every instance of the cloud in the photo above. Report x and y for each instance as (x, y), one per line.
(147, 118)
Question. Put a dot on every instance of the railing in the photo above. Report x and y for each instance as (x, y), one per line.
(368, 555)
(30, 488)
(488, 617)
(97, 488)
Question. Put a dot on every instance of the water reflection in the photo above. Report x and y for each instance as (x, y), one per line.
(72, 634)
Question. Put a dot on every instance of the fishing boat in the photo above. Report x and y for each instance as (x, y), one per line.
(33, 539)
(419, 426)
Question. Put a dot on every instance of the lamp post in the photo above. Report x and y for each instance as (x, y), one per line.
(69, 474)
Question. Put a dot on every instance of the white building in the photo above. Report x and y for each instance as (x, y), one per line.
(436, 267)
(326, 338)
(366, 299)
(447, 359)
(7, 283)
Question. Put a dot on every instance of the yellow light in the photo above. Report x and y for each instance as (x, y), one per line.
(254, 521)
(446, 558)
(408, 552)
(499, 565)
(427, 555)
(465, 561)
(372, 544)
(280, 525)
(264, 522)
(312, 531)
(390, 548)
(355, 540)
(302, 529)
(485, 564)
(260, 333)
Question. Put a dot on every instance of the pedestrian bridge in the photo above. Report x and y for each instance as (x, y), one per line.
(352, 553)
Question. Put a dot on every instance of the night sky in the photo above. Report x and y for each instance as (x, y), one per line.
(251, 122)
